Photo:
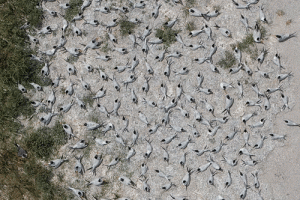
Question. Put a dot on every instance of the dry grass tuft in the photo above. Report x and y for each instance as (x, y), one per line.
(280, 13)
(190, 26)
(288, 22)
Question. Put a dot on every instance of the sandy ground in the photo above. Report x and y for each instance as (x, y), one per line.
(278, 167)
(282, 165)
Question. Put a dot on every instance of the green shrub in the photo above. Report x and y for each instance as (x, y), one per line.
(247, 45)
(167, 34)
(248, 42)
(227, 61)
(43, 141)
(74, 9)
(15, 64)
(20, 178)
(13, 105)
(126, 26)
(34, 181)
(42, 180)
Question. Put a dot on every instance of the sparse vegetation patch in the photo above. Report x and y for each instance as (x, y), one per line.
(33, 181)
(88, 99)
(227, 61)
(20, 178)
(190, 26)
(245, 44)
(44, 141)
(167, 34)
(126, 27)
(105, 48)
(74, 9)
(262, 29)
(189, 4)
(72, 59)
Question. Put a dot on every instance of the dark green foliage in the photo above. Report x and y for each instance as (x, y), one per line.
(33, 181)
(126, 26)
(42, 178)
(167, 34)
(15, 64)
(227, 61)
(43, 141)
(74, 9)
(20, 178)
(13, 104)
(17, 12)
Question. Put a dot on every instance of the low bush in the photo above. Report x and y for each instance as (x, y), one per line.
(167, 34)
(44, 141)
(227, 61)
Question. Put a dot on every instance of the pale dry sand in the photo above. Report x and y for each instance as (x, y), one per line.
(282, 166)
